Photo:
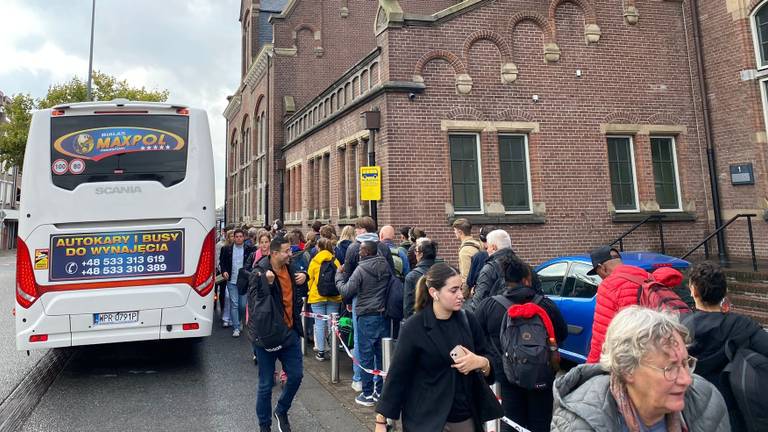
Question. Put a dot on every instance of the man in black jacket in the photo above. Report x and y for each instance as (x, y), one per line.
(490, 281)
(531, 409)
(365, 230)
(479, 259)
(231, 260)
(426, 254)
(369, 284)
(276, 278)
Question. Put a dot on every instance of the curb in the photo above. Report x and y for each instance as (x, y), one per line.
(17, 407)
(341, 392)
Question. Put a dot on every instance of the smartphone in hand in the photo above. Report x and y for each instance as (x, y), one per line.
(456, 352)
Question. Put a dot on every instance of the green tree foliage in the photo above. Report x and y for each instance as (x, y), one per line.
(13, 135)
(105, 87)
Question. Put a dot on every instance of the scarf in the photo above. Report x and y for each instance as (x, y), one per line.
(675, 422)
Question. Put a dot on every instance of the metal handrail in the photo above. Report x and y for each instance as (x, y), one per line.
(749, 217)
(653, 217)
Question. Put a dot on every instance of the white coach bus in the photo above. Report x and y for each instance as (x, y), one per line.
(116, 226)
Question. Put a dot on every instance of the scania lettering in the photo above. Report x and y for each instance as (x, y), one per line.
(118, 190)
(117, 239)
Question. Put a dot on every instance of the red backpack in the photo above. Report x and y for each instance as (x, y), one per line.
(655, 295)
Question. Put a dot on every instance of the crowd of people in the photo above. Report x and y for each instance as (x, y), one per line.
(485, 321)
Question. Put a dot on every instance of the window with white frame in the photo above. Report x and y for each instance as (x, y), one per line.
(665, 173)
(759, 19)
(621, 165)
(514, 167)
(466, 180)
(260, 167)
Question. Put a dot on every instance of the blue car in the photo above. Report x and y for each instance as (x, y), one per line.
(566, 282)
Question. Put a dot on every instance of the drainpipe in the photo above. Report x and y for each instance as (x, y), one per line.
(711, 162)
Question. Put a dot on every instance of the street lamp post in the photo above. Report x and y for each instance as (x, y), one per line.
(90, 54)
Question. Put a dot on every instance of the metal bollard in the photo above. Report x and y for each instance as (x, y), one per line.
(334, 349)
(387, 350)
(494, 425)
(304, 326)
(386, 353)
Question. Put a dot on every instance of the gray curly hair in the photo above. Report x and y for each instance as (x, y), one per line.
(634, 333)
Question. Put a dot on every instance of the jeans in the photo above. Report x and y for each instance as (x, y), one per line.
(236, 305)
(356, 371)
(225, 315)
(372, 329)
(293, 366)
(325, 308)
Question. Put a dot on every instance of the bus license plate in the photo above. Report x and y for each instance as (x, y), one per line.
(115, 318)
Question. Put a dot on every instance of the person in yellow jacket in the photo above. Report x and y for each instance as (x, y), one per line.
(319, 303)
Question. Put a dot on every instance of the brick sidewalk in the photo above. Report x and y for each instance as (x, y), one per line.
(342, 391)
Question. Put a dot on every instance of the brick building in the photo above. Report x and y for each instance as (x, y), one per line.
(564, 122)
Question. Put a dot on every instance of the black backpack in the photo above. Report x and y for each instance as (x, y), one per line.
(326, 280)
(394, 302)
(266, 327)
(528, 355)
(747, 374)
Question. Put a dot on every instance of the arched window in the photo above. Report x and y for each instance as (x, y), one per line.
(760, 34)
(233, 151)
(246, 43)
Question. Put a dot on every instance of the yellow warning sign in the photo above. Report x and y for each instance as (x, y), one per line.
(41, 259)
(370, 183)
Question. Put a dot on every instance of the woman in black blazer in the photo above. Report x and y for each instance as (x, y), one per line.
(434, 391)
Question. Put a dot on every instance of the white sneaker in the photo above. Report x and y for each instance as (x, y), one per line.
(357, 386)
(236, 333)
(364, 400)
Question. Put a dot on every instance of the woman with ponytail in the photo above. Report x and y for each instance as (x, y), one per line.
(439, 376)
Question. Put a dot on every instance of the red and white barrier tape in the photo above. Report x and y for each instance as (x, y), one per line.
(514, 425)
(316, 316)
(374, 372)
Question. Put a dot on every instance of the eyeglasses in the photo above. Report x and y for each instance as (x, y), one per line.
(672, 372)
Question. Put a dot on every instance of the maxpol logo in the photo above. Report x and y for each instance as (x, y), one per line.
(96, 144)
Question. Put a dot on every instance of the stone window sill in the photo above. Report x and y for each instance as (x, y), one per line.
(639, 216)
(347, 221)
(501, 219)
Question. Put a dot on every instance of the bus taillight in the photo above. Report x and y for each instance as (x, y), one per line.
(204, 277)
(26, 285)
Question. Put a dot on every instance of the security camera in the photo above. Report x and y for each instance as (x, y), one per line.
(412, 96)
(535, 98)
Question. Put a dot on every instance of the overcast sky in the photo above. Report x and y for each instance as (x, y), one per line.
(189, 47)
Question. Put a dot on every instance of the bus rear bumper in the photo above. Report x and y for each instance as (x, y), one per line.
(36, 330)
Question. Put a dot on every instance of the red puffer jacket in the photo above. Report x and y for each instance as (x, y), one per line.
(615, 293)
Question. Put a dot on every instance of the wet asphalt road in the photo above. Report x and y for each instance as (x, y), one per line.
(14, 365)
(208, 386)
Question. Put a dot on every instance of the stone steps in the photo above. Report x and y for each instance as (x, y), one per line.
(751, 300)
(757, 315)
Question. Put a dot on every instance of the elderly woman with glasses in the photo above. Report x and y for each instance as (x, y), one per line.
(644, 382)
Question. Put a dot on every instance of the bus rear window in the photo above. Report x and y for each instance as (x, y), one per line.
(106, 148)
